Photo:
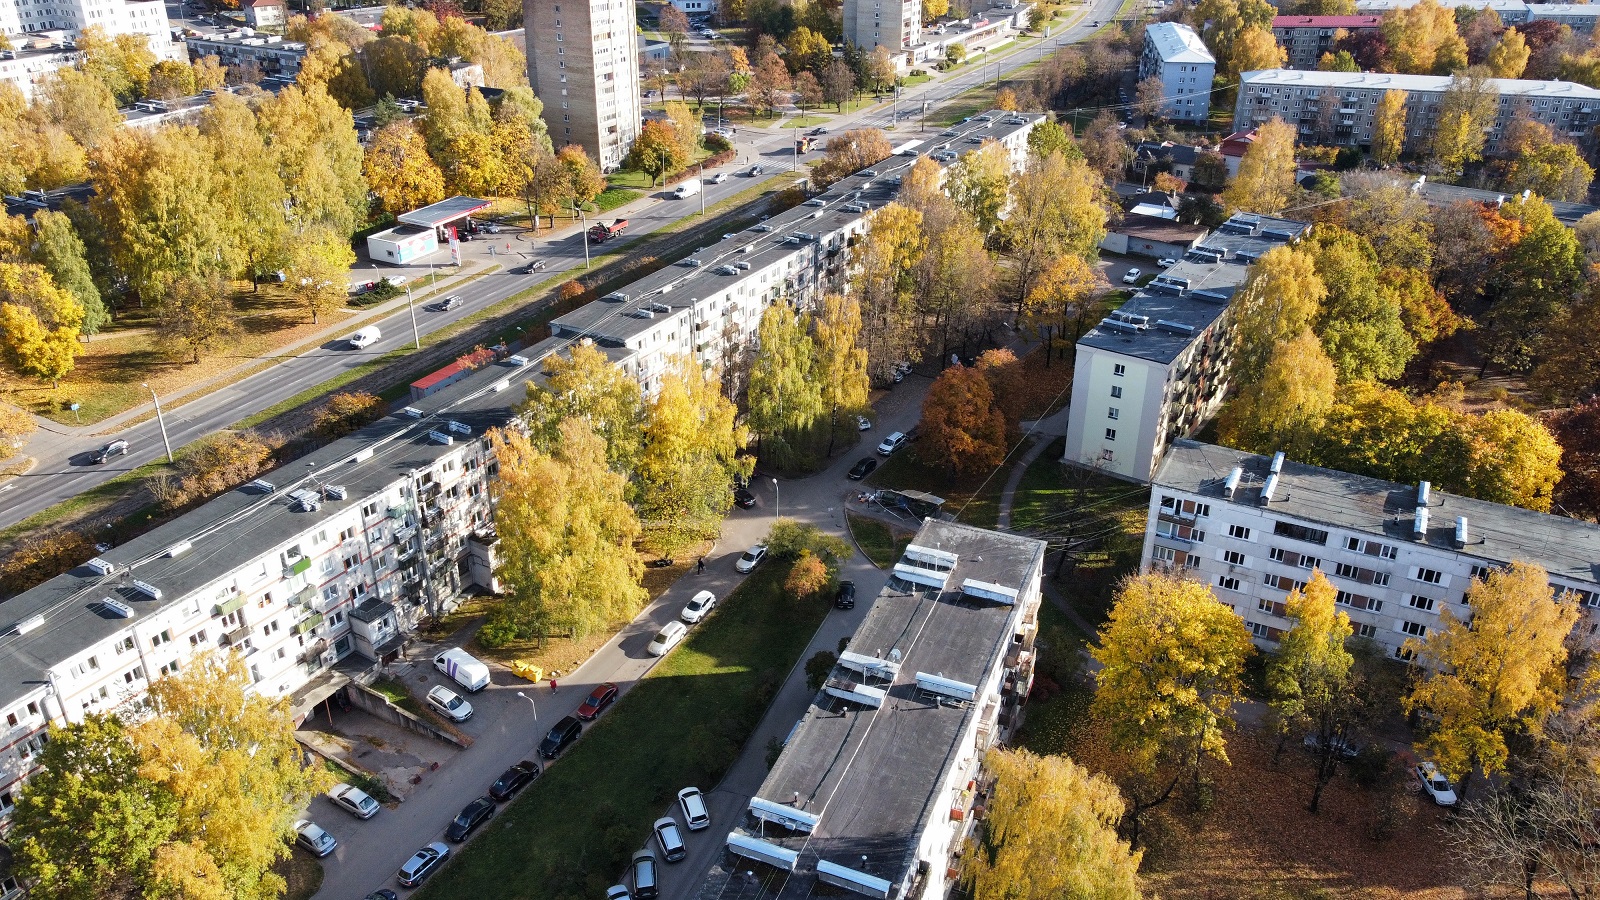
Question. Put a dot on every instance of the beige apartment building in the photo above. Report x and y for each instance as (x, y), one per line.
(583, 63)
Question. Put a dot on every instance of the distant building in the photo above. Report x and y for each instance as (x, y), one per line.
(697, 7)
(583, 63)
(1439, 194)
(1307, 38)
(271, 54)
(1154, 236)
(1511, 12)
(1175, 54)
(896, 24)
(1178, 159)
(264, 13)
(27, 66)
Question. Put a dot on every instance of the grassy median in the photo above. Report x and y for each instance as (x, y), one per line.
(571, 832)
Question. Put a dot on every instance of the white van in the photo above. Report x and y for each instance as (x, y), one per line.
(687, 189)
(467, 672)
(363, 338)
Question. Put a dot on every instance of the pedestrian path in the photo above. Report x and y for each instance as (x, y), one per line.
(1043, 432)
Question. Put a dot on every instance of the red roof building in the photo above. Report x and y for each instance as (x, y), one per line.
(1308, 37)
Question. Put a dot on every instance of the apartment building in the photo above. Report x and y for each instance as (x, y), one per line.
(1580, 17)
(896, 24)
(1175, 54)
(60, 22)
(1339, 108)
(1156, 369)
(876, 788)
(1307, 38)
(583, 63)
(270, 53)
(1255, 527)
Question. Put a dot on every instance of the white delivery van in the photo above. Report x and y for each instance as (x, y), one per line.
(687, 189)
(467, 672)
(364, 337)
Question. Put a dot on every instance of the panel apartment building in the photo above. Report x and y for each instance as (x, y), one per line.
(583, 62)
(1255, 527)
(874, 790)
(1157, 368)
(1571, 110)
(43, 32)
(1175, 54)
(1307, 38)
(896, 24)
(1580, 17)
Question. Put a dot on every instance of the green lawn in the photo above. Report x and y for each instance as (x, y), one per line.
(974, 501)
(1059, 700)
(613, 197)
(572, 831)
(878, 541)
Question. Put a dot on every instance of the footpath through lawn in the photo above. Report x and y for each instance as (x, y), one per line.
(572, 831)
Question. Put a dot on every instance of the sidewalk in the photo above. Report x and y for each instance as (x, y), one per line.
(1043, 433)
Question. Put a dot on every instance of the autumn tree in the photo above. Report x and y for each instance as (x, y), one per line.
(883, 279)
(1494, 673)
(1392, 218)
(1171, 656)
(1510, 56)
(785, 397)
(196, 315)
(1051, 136)
(1539, 274)
(583, 384)
(63, 255)
(657, 151)
(1360, 322)
(1578, 431)
(1389, 128)
(567, 536)
(1254, 49)
(980, 183)
(1468, 108)
(1309, 677)
(769, 80)
(691, 455)
(962, 428)
(319, 267)
(1148, 96)
(1063, 298)
(1285, 409)
(849, 153)
(1266, 173)
(249, 196)
(838, 83)
(1050, 834)
(1554, 171)
(1281, 297)
(16, 427)
(1056, 210)
(1423, 40)
(397, 166)
(841, 362)
(39, 323)
(312, 141)
(1104, 147)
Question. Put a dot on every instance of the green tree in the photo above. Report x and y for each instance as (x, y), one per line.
(1468, 108)
(1281, 297)
(250, 196)
(584, 385)
(789, 540)
(59, 250)
(1266, 173)
(1309, 677)
(785, 395)
(841, 363)
(1050, 834)
(313, 142)
(1539, 274)
(1494, 674)
(962, 428)
(196, 316)
(1555, 171)
(691, 455)
(1286, 408)
(1050, 137)
(1171, 657)
(1360, 322)
(1389, 128)
(980, 183)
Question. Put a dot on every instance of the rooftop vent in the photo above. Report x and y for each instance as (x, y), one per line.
(459, 428)
(1277, 463)
(1231, 484)
(362, 455)
(984, 590)
(29, 624)
(516, 360)
(642, 314)
(179, 548)
(1424, 490)
(439, 437)
(147, 589)
(660, 308)
(335, 492)
(783, 815)
(503, 384)
(1209, 296)
(100, 566)
(1461, 540)
(264, 486)
(1267, 487)
(411, 412)
(1175, 327)
(117, 608)
(1137, 321)
(946, 687)
(1419, 524)
(1111, 324)
(616, 297)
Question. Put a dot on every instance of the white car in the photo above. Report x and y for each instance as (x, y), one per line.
(353, 800)
(1166, 262)
(667, 638)
(750, 559)
(891, 443)
(1132, 277)
(309, 836)
(720, 177)
(363, 338)
(449, 704)
(699, 605)
(863, 423)
(396, 280)
(1435, 785)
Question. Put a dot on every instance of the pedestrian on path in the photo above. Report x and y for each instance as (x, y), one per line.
(700, 566)
(553, 681)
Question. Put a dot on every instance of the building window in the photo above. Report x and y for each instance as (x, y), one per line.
(1365, 630)
(1116, 392)
(1266, 606)
(1239, 531)
(1418, 602)
(1415, 629)
(1430, 576)
(1228, 583)
(1259, 630)
(1233, 557)
(1119, 370)
(1300, 532)
(1310, 562)
(1111, 434)
(1113, 413)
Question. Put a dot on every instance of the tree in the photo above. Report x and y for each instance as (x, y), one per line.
(691, 455)
(1056, 210)
(1309, 677)
(849, 153)
(1104, 147)
(808, 577)
(1266, 173)
(1360, 322)
(346, 411)
(980, 183)
(196, 315)
(881, 69)
(61, 252)
(1389, 128)
(1481, 33)
(807, 91)
(1171, 657)
(1280, 298)
(402, 175)
(769, 80)
(567, 534)
(1510, 56)
(1511, 458)
(170, 80)
(16, 427)
(839, 83)
(686, 126)
(584, 385)
(1286, 408)
(841, 363)
(704, 75)
(39, 323)
(1555, 171)
(313, 142)
(318, 273)
(883, 278)
(807, 51)
(785, 397)
(790, 540)
(582, 174)
(675, 25)
(1064, 292)
(1050, 834)
(1577, 430)
(1538, 275)
(1339, 61)
(249, 195)
(1051, 136)
(1422, 40)
(81, 105)
(1494, 673)
(1396, 221)
(962, 428)
(1254, 49)
(1468, 107)
(657, 151)
(88, 824)
(121, 62)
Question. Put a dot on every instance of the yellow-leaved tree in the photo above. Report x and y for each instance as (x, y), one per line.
(692, 441)
(841, 363)
(1266, 173)
(1284, 409)
(1280, 299)
(1309, 677)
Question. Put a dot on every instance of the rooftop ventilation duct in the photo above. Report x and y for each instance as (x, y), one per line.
(1277, 463)
(1419, 524)
(1231, 485)
(1270, 485)
(1424, 489)
(1461, 532)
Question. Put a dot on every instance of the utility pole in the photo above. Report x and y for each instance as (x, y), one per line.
(583, 232)
(416, 336)
(702, 191)
(161, 422)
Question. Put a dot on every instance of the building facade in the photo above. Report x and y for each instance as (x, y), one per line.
(1339, 108)
(268, 52)
(1580, 17)
(1254, 528)
(583, 62)
(265, 13)
(1156, 369)
(1307, 38)
(66, 19)
(1175, 54)
(896, 24)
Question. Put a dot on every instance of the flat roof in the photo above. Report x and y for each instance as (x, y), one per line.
(1568, 548)
(1435, 192)
(1178, 43)
(435, 214)
(1437, 84)
(1156, 228)
(1326, 21)
(872, 776)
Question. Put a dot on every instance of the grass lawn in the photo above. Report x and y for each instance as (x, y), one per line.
(397, 693)
(301, 873)
(1060, 698)
(613, 197)
(571, 832)
(806, 121)
(914, 80)
(974, 501)
(878, 540)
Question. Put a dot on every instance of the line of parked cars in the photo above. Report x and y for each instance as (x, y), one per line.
(644, 880)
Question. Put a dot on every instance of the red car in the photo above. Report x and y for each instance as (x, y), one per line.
(600, 698)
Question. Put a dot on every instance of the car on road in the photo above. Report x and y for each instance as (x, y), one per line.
(514, 779)
(891, 443)
(845, 598)
(353, 800)
(862, 469)
(1343, 747)
(743, 498)
(363, 338)
(1132, 277)
(1166, 262)
(449, 704)
(476, 813)
(450, 302)
(756, 170)
(597, 701)
(693, 804)
(560, 737)
(697, 607)
(643, 870)
(863, 423)
(750, 559)
(667, 638)
(383, 894)
(1434, 784)
(537, 265)
(310, 836)
(817, 132)
(719, 178)
(115, 448)
(423, 863)
(670, 840)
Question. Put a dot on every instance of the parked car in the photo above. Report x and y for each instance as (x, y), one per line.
(423, 863)
(449, 704)
(1435, 785)
(450, 302)
(1342, 747)
(618, 892)
(750, 559)
(597, 701)
(891, 443)
(862, 469)
(743, 498)
(383, 894)
(1132, 277)
(670, 840)
(845, 598)
(560, 737)
(104, 454)
(353, 800)
(693, 804)
(863, 423)
(1166, 262)
(514, 779)
(476, 813)
(643, 870)
(667, 638)
(309, 836)
(697, 607)
(396, 280)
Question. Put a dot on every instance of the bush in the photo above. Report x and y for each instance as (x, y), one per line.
(790, 539)
(345, 412)
(40, 559)
(213, 465)
(808, 577)
(497, 633)
(818, 667)
(717, 143)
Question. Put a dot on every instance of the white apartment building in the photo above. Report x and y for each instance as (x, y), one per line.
(877, 786)
(1571, 110)
(1175, 54)
(583, 62)
(1255, 527)
(66, 19)
(1156, 369)
(1580, 17)
(896, 24)
(269, 52)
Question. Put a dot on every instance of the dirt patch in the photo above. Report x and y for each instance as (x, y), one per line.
(301, 873)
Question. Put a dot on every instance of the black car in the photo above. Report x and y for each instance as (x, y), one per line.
(514, 779)
(846, 597)
(560, 737)
(476, 813)
(862, 469)
(383, 894)
(743, 497)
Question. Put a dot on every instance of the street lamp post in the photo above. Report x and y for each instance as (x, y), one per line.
(530, 703)
(583, 230)
(161, 421)
(777, 500)
(702, 191)
(416, 336)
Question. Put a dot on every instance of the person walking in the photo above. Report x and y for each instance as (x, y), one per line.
(553, 681)
(700, 566)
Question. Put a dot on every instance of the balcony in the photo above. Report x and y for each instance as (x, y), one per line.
(236, 637)
(308, 623)
(298, 567)
(234, 605)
